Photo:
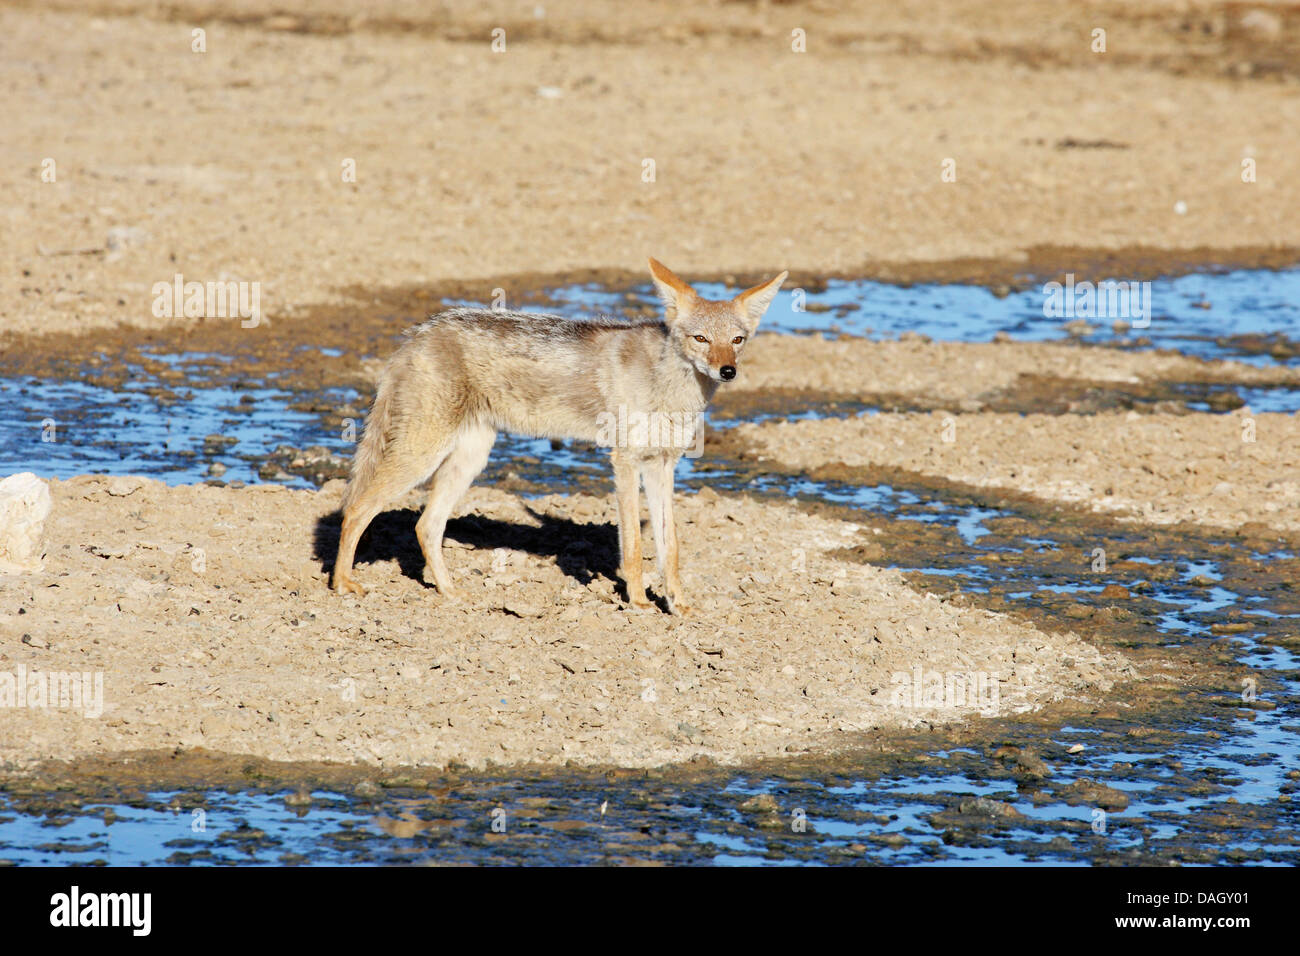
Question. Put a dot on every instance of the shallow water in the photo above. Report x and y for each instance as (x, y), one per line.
(1200, 314)
(1283, 400)
(145, 425)
(1214, 781)
(72, 428)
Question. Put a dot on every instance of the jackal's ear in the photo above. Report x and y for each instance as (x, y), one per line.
(676, 294)
(754, 302)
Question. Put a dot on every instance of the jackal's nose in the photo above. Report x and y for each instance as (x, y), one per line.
(728, 372)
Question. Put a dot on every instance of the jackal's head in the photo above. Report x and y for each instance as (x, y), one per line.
(711, 335)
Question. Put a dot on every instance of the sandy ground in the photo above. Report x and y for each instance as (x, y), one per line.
(207, 613)
(936, 372)
(1221, 471)
(228, 164)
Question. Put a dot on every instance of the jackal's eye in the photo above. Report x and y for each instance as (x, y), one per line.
(700, 338)
(737, 340)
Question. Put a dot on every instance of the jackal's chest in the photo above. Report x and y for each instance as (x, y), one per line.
(642, 433)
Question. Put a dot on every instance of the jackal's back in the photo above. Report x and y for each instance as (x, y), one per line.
(533, 373)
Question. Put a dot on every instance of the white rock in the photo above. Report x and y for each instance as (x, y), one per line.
(1261, 23)
(119, 486)
(121, 236)
(24, 506)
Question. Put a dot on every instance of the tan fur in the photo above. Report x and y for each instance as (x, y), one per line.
(466, 374)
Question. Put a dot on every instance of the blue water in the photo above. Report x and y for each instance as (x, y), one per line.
(1245, 302)
(126, 431)
(59, 429)
(1282, 400)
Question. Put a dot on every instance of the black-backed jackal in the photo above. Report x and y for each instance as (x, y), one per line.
(466, 374)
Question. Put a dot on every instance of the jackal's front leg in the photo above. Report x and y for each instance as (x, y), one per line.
(627, 492)
(659, 495)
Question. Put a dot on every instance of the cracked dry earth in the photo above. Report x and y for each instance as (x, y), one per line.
(207, 611)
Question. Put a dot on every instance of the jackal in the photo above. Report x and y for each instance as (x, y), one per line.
(466, 374)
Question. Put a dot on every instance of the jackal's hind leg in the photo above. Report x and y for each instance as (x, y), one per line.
(355, 521)
(450, 482)
(396, 474)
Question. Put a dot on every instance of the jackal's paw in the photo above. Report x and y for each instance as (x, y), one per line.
(676, 600)
(444, 588)
(639, 602)
(345, 585)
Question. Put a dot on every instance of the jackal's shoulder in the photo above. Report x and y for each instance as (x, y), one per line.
(507, 323)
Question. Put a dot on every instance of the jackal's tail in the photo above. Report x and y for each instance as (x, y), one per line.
(374, 441)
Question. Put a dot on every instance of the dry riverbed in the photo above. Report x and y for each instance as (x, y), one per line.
(1221, 471)
(205, 608)
(972, 375)
(130, 157)
(206, 611)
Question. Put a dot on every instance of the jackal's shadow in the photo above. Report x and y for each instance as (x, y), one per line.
(583, 551)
